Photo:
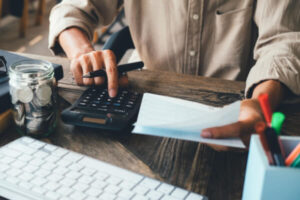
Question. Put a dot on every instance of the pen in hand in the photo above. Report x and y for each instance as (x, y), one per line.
(121, 69)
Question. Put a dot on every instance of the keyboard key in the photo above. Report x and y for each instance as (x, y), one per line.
(40, 154)
(112, 189)
(140, 189)
(126, 194)
(55, 177)
(86, 179)
(42, 173)
(10, 153)
(52, 195)
(77, 195)
(80, 187)
(49, 148)
(51, 185)
(30, 168)
(88, 171)
(165, 188)
(93, 192)
(39, 190)
(65, 191)
(140, 197)
(106, 196)
(169, 198)
(179, 193)
(150, 183)
(48, 166)
(38, 181)
(127, 184)
(99, 184)
(72, 157)
(12, 180)
(25, 158)
(100, 175)
(113, 180)
(18, 164)
(73, 174)
(68, 182)
(26, 185)
(26, 176)
(153, 194)
(13, 172)
(36, 144)
(194, 196)
(6, 160)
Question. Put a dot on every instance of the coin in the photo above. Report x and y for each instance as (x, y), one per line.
(13, 94)
(43, 93)
(25, 94)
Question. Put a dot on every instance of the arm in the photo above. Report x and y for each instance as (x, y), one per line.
(71, 27)
(277, 68)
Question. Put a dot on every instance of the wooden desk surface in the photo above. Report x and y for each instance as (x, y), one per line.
(194, 166)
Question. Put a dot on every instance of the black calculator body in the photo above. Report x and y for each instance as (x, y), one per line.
(97, 110)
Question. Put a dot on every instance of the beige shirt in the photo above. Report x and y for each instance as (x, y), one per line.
(216, 38)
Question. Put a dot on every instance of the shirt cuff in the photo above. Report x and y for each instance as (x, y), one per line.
(285, 69)
(53, 45)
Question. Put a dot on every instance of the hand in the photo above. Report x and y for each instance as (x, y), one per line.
(250, 114)
(95, 60)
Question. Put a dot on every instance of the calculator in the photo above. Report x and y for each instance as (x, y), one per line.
(97, 110)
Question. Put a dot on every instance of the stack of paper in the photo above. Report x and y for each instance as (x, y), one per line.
(176, 118)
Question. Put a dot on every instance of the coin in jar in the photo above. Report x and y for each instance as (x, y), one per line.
(25, 94)
(43, 93)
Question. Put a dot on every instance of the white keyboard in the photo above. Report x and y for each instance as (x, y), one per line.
(31, 169)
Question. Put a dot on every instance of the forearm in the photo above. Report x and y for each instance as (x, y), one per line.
(274, 89)
(74, 42)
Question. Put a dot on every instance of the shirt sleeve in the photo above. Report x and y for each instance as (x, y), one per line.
(84, 14)
(277, 50)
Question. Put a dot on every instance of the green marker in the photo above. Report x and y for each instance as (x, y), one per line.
(277, 121)
(296, 162)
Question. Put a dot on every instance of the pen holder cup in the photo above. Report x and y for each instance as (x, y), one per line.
(264, 181)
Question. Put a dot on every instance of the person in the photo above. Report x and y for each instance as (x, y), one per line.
(253, 40)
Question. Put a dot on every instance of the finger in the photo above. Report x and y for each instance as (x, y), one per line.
(86, 65)
(112, 72)
(77, 71)
(97, 63)
(123, 81)
(227, 131)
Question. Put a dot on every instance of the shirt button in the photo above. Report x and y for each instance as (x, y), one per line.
(195, 16)
(192, 53)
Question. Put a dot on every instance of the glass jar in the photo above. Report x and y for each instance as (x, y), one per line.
(33, 96)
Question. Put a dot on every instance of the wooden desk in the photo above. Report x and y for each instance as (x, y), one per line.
(190, 165)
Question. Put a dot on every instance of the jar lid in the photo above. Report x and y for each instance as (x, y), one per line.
(31, 70)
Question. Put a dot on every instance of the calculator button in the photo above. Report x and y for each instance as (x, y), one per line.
(129, 106)
(82, 104)
(117, 104)
(102, 109)
(130, 102)
(116, 110)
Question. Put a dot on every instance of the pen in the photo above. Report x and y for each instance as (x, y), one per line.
(296, 162)
(277, 121)
(266, 108)
(260, 129)
(293, 155)
(273, 144)
(121, 69)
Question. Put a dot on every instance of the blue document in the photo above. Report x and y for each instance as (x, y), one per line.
(176, 118)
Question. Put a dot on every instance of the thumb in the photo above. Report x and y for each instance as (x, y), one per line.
(227, 131)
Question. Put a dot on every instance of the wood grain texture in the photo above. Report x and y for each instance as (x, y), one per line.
(191, 165)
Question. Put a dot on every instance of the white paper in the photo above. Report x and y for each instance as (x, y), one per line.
(176, 118)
